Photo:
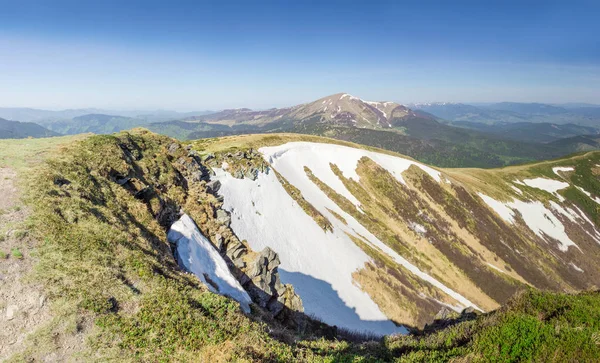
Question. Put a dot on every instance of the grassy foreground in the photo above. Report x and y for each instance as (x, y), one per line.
(111, 277)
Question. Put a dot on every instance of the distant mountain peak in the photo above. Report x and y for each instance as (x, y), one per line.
(349, 110)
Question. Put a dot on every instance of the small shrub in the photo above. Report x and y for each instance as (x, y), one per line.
(3, 255)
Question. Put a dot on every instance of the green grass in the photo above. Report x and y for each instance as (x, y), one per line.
(16, 253)
(3, 255)
(23, 153)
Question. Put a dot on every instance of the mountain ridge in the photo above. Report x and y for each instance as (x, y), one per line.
(18, 130)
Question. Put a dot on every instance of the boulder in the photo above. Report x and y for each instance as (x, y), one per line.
(213, 186)
(238, 174)
(207, 157)
(223, 217)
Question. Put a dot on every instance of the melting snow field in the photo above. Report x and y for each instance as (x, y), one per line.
(318, 264)
(549, 185)
(317, 158)
(537, 217)
(198, 256)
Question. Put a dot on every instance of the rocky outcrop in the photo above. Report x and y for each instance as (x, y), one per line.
(190, 189)
(447, 317)
(241, 164)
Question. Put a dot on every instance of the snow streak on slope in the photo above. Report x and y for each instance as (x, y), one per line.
(199, 256)
(318, 264)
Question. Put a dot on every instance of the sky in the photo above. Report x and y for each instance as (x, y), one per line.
(197, 55)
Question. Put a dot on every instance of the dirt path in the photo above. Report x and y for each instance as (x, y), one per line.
(23, 306)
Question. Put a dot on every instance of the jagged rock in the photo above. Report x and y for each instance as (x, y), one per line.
(445, 313)
(238, 174)
(219, 241)
(264, 278)
(267, 261)
(223, 217)
(172, 149)
(213, 186)
(251, 173)
(142, 193)
(207, 157)
(469, 310)
(239, 263)
(123, 181)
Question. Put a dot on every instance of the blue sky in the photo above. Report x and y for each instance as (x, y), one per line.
(194, 55)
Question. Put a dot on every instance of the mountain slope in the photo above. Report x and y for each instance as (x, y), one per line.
(443, 238)
(20, 130)
(102, 207)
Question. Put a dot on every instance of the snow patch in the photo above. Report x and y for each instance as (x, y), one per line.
(199, 256)
(575, 267)
(500, 208)
(549, 185)
(563, 169)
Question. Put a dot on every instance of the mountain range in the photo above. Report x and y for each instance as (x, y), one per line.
(418, 133)
(447, 135)
(509, 112)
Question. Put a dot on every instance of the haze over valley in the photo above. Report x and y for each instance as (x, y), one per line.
(299, 182)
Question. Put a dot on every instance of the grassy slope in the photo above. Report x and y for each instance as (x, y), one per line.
(105, 260)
